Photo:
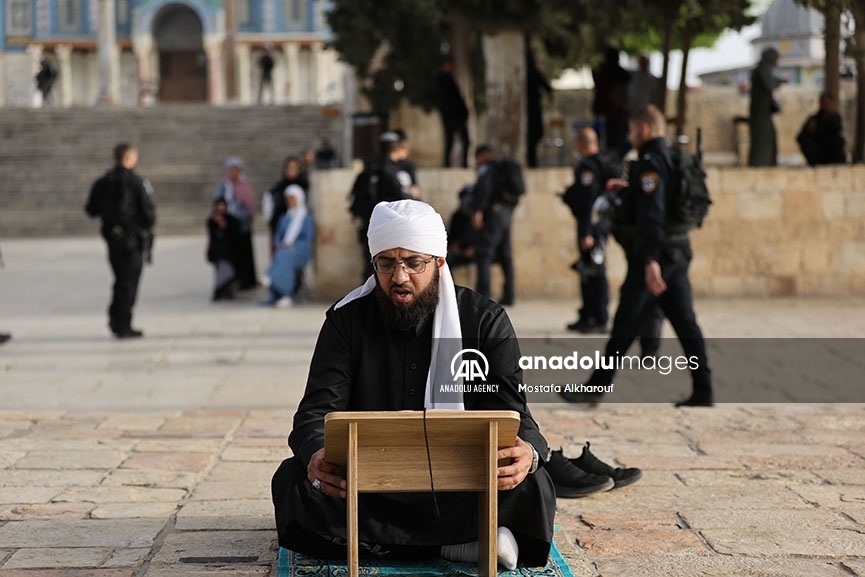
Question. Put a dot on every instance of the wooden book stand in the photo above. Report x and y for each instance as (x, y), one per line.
(386, 452)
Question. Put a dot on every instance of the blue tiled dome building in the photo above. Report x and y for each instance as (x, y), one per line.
(146, 51)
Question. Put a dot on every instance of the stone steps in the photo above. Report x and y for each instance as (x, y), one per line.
(49, 158)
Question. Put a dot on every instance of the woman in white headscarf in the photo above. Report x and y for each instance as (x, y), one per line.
(292, 247)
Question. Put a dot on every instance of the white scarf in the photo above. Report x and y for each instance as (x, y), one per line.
(296, 214)
(416, 226)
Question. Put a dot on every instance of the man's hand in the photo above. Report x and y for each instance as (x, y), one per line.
(587, 242)
(332, 483)
(478, 220)
(615, 184)
(654, 280)
(521, 461)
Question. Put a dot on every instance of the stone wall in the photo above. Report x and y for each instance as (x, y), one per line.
(771, 232)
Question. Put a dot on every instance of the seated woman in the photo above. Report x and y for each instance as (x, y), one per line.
(222, 250)
(292, 247)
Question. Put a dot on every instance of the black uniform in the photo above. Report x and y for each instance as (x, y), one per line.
(455, 114)
(647, 237)
(494, 242)
(124, 202)
(382, 181)
(589, 178)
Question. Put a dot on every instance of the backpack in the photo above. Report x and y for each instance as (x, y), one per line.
(375, 184)
(688, 197)
(509, 185)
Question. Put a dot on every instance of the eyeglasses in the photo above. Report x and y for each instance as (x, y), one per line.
(411, 266)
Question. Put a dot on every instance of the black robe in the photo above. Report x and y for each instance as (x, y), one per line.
(361, 364)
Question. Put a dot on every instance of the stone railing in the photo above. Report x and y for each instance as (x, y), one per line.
(770, 232)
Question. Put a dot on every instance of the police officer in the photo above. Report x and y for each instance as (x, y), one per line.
(385, 179)
(124, 202)
(658, 260)
(589, 184)
(492, 217)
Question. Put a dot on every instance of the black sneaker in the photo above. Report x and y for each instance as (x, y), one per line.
(588, 327)
(571, 481)
(4, 337)
(697, 400)
(128, 333)
(591, 464)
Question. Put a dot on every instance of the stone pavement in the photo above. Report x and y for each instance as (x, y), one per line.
(154, 457)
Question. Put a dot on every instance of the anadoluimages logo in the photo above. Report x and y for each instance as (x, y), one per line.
(470, 367)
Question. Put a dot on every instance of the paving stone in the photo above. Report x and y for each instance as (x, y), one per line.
(226, 515)
(832, 496)
(254, 545)
(640, 543)
(808, 463)
(23, 495)
(71, 460)
(9, 458)
(45, 511)
(261, 424)
(698, 462)
(207, 491)
(132, 422)
(126, 558)
(57, 558)
(30, 415)
(236, 472)
(50, 478)
(201, 424)
(133, 510)
(67, 573)
(762, 449)
(769, 520)
(782, 541)
(206, 570)
(123, 494)
(855, 565)
(120, 533)
(716, 566)
(748, 478)
(272, 454)
(181, 461)
(150, 478)
(178, 445)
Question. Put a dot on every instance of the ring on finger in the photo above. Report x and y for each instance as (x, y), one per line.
(317, 484)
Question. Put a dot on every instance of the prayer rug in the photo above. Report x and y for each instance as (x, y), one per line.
(293, 564)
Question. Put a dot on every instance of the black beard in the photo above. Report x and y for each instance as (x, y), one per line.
(404, 317)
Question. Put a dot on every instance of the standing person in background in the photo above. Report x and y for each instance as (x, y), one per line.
(265, 66)
(659, 255)
(611, 100)
(453, 110)
(403, 148)
(273, 203)
(590, 180)
(45, 80)
(237, 193)
(535, 83)
(764, 141)
(492, 216)
(822, 136)
(124, 202)
(645, 88)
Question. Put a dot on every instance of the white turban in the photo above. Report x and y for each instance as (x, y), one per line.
(407, 224)
(416, 226)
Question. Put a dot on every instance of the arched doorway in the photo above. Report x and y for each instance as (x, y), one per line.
(177, 32)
